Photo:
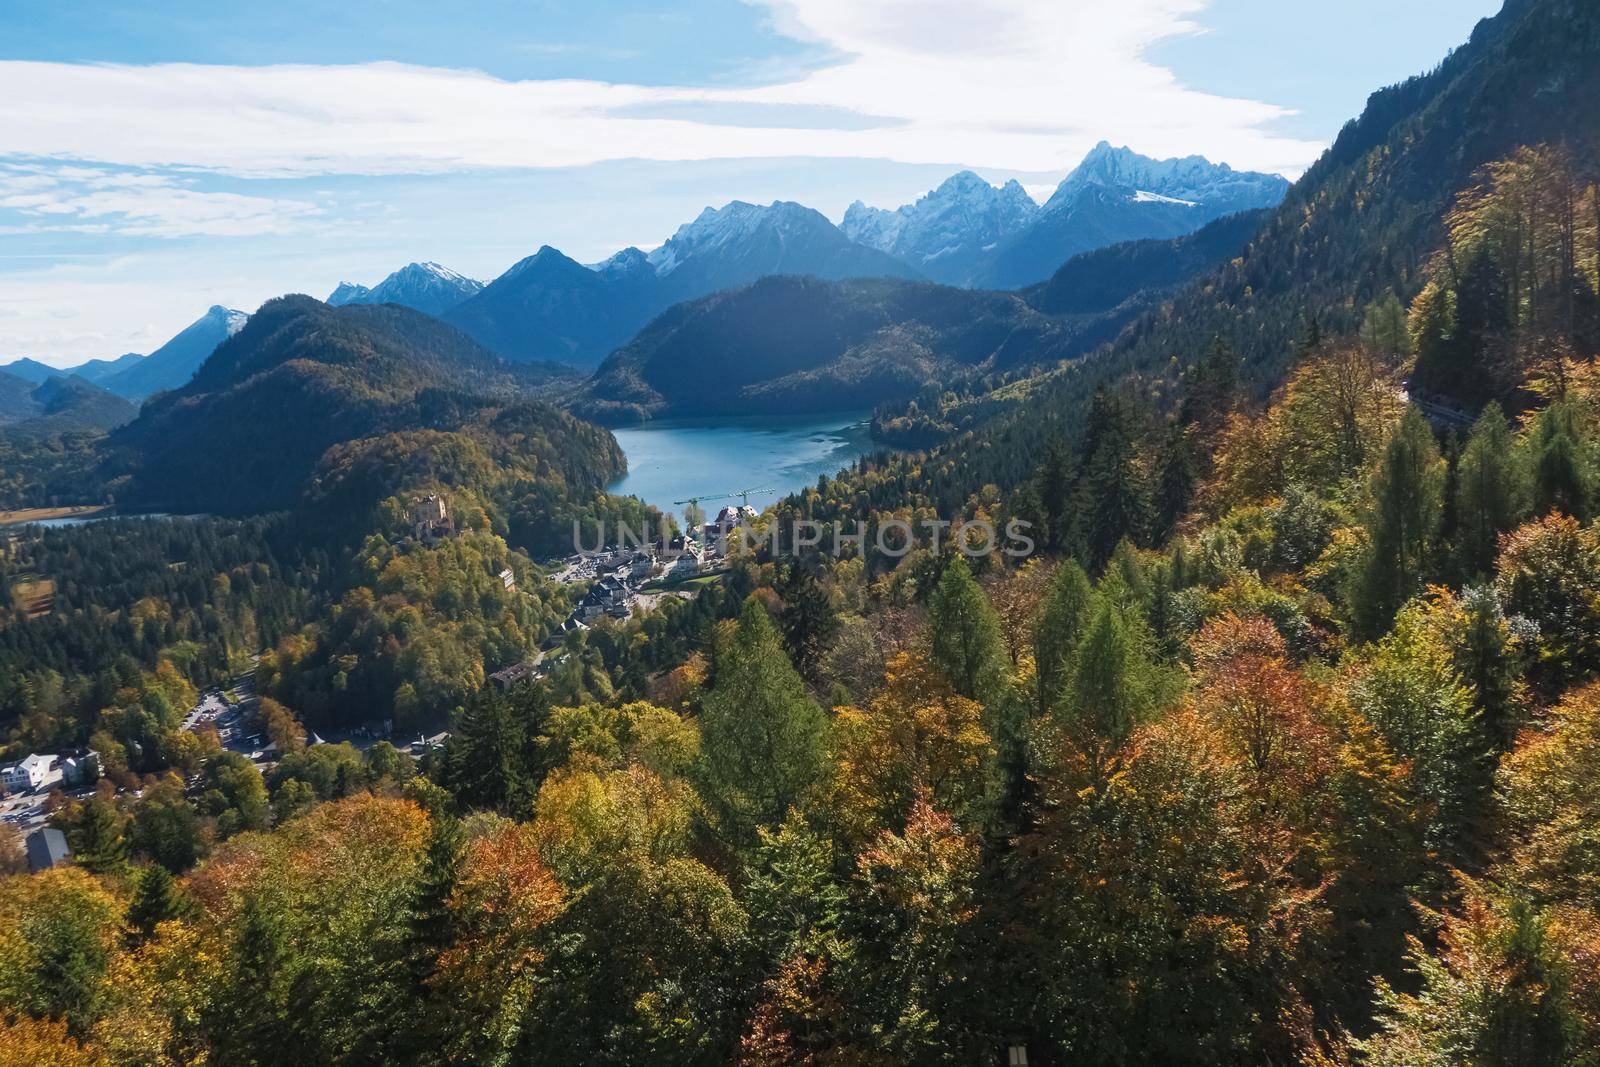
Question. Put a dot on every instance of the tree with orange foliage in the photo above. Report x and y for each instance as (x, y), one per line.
(917, 737)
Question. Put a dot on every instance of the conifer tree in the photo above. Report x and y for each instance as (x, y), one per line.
(1097, 706)
(1563, 471)
(1405, 514)
(763, 740)
(156, 899)
(95, 834)
(808, 620)
(1062, 618)
(488, 760)
(1175, 483)
(1491, 491)
(967, 644)
(1110, 501)
(1055, 493)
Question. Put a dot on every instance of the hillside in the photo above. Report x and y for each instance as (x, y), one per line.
(846, 345)
(853, 344)
(245, 434)
(1361, 223)
(1108, 277)
(1368, 215)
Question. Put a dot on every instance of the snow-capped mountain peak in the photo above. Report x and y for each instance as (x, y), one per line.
(715, 228)
(230, 320)
(426, 287)
(346, 293)
(1192, 180)
(946, 227)
(628, 261)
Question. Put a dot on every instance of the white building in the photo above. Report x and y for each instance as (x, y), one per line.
(29, 774)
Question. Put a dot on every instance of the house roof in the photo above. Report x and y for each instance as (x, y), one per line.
(47, 848)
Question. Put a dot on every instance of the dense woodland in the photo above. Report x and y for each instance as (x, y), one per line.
(1282, 748)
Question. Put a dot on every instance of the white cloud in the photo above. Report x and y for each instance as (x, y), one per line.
(1015, 84)
(76, 199)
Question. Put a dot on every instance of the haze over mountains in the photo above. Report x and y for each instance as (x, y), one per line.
(968, 232)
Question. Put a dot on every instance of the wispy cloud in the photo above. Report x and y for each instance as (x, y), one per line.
(141, 204)
(999, 83)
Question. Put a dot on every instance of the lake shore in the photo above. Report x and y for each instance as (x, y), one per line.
(23, 516)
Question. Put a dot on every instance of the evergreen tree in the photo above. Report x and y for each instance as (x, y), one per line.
(1110, 501)
(763, 740)
(1563, 471)
(95, 834)
(488, 764)
(1061, 621)
(1384, 332)
(156, 899)
(1405, 514)
(432, 929)
(249, 1017)
(1211, 386)
(1175, 483)
(1055, 493)
(1491, 491)
(808, 619)
(967, 644)
(1098, 705)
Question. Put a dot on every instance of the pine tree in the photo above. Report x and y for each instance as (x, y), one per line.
(1384, 332)
(1491, 491)
(1175, 483)
(1055, 493)
(1211, 386)
(967, 644)
(1563, 471)
(96, 837)
(488, 760)
(248, 1019)
(1098, 706)
(1406, 512)
(808, 620)
(156, 899)
(763, 740)
(1110, 501)
(424, 1028)
(1062, 618)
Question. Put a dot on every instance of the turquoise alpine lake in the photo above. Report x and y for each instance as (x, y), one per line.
(716, 459)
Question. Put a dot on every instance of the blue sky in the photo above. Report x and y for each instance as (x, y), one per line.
(154, 162)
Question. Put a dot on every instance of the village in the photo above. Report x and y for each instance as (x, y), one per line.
(616, 582)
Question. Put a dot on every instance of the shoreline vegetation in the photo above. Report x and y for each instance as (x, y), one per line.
(24, 516)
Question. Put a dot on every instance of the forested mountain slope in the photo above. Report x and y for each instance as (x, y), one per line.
(245, 433)
(1363, 222)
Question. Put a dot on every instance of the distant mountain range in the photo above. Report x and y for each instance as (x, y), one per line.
(425, 287)
(549, 306)
(94, 370)
(968, 232)
(949, 233)
(859, 342)
(133, 376)
(57, 403)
